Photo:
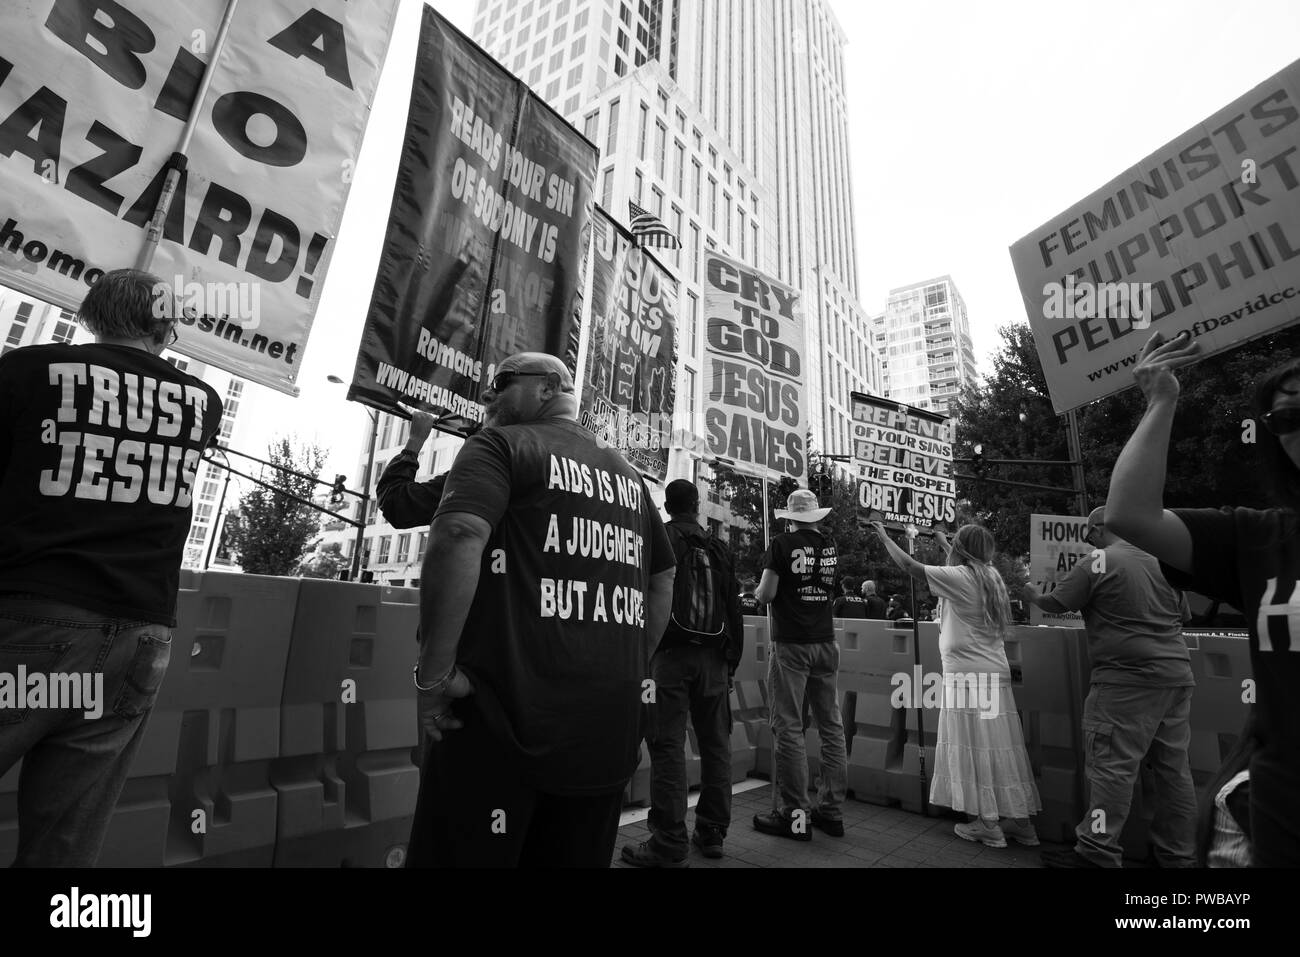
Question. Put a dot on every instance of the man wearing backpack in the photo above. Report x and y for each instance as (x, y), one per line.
(692, 671)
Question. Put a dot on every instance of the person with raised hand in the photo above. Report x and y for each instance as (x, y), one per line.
(1247, 557)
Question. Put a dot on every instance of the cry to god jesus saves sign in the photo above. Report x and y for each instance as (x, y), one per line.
(753, 369)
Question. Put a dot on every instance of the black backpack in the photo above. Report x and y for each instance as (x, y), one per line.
(699, 590)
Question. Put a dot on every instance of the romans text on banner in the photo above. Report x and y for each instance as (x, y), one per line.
(904, 460)
(487, 236)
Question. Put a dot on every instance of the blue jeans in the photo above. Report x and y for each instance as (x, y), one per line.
(689, 678)
(793, 672)
(74, 766)
(1122, 724)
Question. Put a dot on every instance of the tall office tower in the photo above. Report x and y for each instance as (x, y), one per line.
(924, 336)
(25, 321)
(728, 120)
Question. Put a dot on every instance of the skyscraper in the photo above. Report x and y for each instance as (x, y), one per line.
(728, 120)
(924, 337)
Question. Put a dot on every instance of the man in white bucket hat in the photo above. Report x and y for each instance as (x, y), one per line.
(799, 572)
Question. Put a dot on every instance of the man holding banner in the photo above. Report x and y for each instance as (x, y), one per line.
(545, 589)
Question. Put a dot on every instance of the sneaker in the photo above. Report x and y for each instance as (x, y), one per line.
(833, 826)
(1066, 858)
(990, 835)
(708, 840)
(781, 826)
(643, 855)
(1021, 835)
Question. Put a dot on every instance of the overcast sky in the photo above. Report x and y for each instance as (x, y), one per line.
(970, 126)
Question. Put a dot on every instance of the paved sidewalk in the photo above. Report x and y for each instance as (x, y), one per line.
(873, 837)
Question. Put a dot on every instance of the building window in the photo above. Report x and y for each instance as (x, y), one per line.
(385, 542)
(692, 323)
(611, 137)
(679, 185)
(423, 543)
(696, 170)
(657, 206)
(640, 182)
(403, 547)
(661, 140)
(607, 189)
(641, 137)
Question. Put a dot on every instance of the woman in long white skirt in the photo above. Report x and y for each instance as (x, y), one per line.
(981, 766)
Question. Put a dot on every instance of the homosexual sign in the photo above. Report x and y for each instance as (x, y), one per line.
(93, 100)
(1211, 221)
(904, 457)
(486, 235)
(754, 370)
(627, 394)
(1055, 546)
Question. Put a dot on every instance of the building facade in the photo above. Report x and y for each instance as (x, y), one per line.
(924, 339)
(25, 321)
(728, 120)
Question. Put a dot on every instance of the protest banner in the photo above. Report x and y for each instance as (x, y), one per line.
(754, 413)
(93, 101)
(628, 389)
(486, 236)
(904, 460)
(1204, 234)
(1055, 546)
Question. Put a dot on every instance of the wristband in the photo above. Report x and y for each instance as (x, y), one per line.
(437, 685)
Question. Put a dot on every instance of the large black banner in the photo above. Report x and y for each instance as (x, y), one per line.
(629, 386)
(486, 236)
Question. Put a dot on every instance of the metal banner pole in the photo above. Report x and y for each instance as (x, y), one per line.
(910, 535)
(177, 163)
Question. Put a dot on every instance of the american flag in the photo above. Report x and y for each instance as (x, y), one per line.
(649, 230)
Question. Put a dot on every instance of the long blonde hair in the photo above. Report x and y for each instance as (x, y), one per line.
(973, 546)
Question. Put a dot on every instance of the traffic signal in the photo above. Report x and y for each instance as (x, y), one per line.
(977, 459)
(340, 486)
(819, 482)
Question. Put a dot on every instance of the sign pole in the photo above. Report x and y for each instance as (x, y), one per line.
(916, 656)
(1076, 455)
(773, 662)
(178, 161)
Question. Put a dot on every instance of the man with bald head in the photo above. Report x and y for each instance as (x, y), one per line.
(545, 589)
(1140, 702)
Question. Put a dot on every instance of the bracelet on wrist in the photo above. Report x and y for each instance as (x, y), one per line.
(438, 685)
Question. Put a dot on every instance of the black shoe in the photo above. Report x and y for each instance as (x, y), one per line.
(828, 825)
(708, 840)
(1066, 858)
(643, 855)
(781, 826)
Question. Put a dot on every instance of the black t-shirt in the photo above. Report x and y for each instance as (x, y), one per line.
(805, 563)
(849, 606)
(1251, 560)
(875, 607)
(556, 641)
(99, 445)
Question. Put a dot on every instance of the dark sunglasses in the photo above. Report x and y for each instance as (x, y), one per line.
(1282, 421)
(501, 381)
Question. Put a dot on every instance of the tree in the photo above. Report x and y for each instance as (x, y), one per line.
(1209, 464)
(271, 532)
(326, 562)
